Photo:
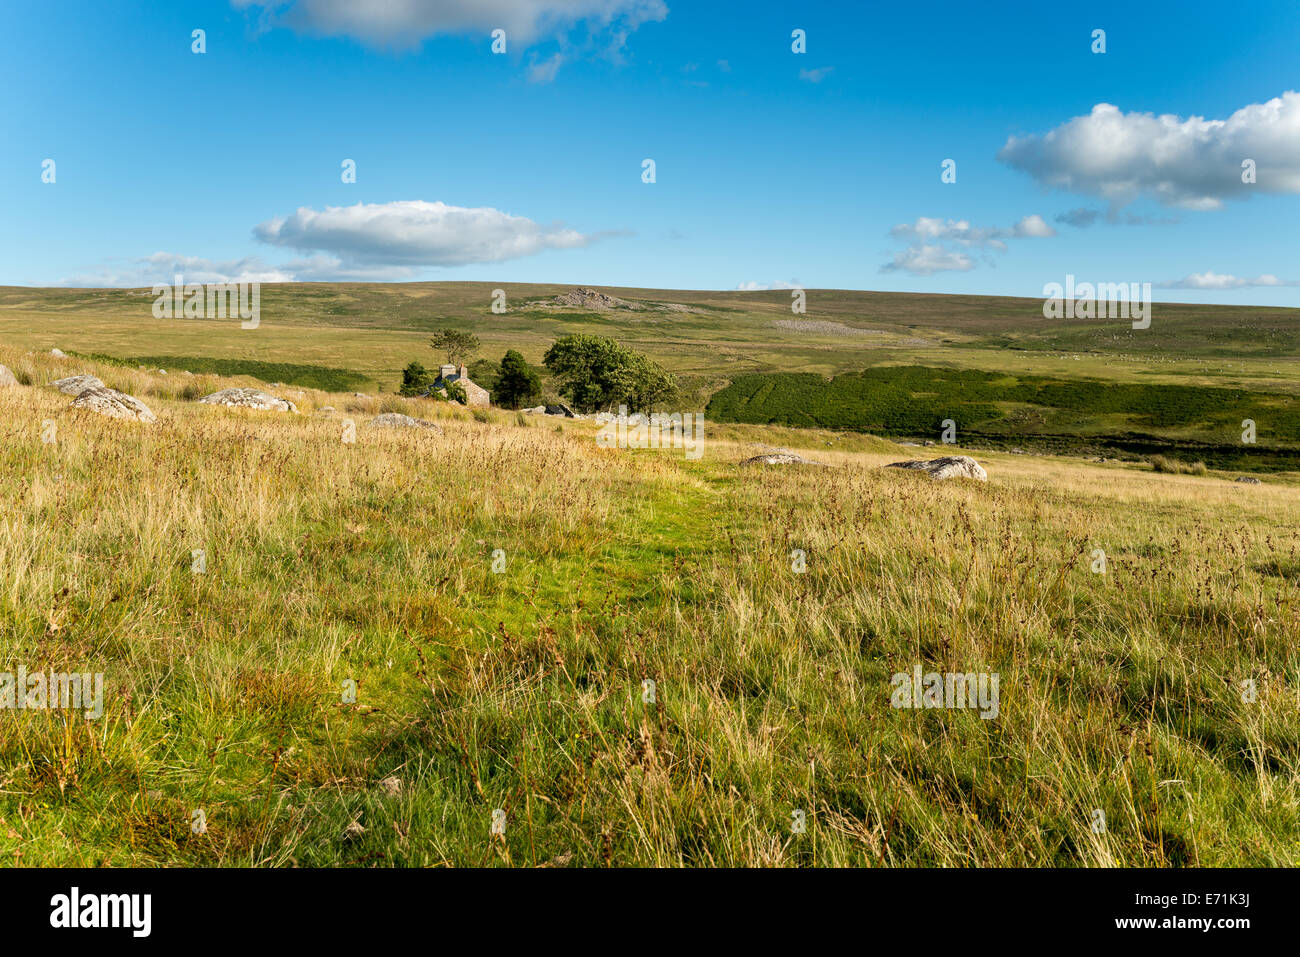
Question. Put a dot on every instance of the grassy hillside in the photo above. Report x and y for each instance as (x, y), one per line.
(1191, 422)
(522, 691)
(374, 329)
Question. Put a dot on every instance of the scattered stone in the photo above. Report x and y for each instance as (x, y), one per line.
(7, 377)
(117, 405)
(391, 786)
(327, 408)
(780, 458)
(249, 399)
(77, 384)
(535, 410)
(587, 298)
(162, 371)
(561, 409)
(396, 420)
(58, 353)
(1249, 480)
(950, 466)
(928, 442)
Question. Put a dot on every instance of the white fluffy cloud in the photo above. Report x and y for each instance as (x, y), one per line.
(1033, 227)
(407, 23)
(1213, 280)
(375, 242)
(165, 267)
(1192, 163)
(383, 239)
(924, 260)
(932, 241)
(962, 233)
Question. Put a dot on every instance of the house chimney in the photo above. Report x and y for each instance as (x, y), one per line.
(463, 372)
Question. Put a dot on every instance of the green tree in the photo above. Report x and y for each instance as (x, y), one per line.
(456, 393)
(595, 372)
(517, 384)
(415, 379)
(456, 345)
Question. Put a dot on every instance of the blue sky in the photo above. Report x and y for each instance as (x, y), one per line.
(772, 167)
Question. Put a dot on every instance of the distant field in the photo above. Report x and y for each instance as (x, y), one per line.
(1043, 412)
(358, 336)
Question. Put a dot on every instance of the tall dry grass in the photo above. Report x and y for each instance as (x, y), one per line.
(523, 690)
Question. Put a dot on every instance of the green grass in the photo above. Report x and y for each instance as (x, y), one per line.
(1028, 411)
(324, 378)
(522, 691)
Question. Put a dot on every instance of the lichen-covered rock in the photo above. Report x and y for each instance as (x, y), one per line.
(7, 377)
(950, 466)
(1249, 480)
(249, 399)
(396, 420)
(77, 384)
(58, 353)
(117, 405)
(780, 458)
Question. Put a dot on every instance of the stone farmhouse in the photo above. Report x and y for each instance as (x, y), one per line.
(474, 394)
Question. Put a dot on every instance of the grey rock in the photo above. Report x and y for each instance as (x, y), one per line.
(77, 384)
(396, 420)
(780, 458)
(249, 399)
(1249, 480)
(117, 405)
(950, 466)
(58, 353)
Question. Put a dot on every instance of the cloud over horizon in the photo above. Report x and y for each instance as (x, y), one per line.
(406, 235)
(1191, 163)
(932, 240)
(1212, 280)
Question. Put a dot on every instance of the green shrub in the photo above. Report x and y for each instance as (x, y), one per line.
(415, 379)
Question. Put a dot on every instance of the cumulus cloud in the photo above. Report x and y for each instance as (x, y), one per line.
(924, 260)
(404, 24)
(932, 241)
(1191, 163)
(962, 233)
(1213, 280)
(376, 242)
(389, 237)
(164, 267)
(1032, 227)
